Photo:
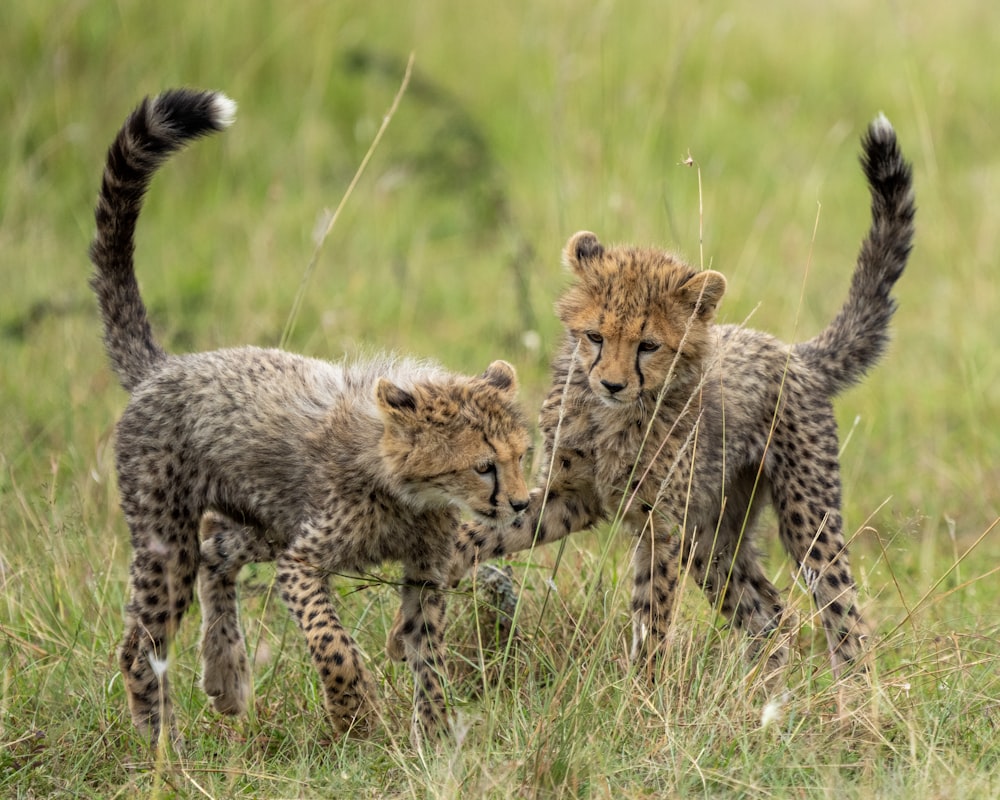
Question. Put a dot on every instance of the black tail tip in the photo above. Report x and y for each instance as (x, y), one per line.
(881, 158)
(879, 142)
(880, 130)
(194, 111)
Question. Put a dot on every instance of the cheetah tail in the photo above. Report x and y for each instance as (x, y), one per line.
(158, 127)
(841, 355)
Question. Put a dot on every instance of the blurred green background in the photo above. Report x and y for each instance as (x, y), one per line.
(524, 123)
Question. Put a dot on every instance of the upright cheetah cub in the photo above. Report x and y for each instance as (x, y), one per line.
(320, 467)
(681, 428)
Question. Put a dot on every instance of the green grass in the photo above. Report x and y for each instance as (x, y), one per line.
(525, 122)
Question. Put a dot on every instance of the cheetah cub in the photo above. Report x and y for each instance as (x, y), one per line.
(682, 428)
(243, 455)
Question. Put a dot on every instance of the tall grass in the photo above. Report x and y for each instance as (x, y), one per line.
(522, 123)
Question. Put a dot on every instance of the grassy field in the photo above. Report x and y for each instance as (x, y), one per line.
(524, 122)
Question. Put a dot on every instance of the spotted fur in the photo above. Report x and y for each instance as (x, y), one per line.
(246, 454)
(682, 428)
(482, 635)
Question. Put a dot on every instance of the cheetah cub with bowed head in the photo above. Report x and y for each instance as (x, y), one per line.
(242, 455)
(681, 428)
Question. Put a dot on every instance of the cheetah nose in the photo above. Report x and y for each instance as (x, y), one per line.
(518, 505)
(613, 388)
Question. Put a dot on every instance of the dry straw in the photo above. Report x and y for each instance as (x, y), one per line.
(321, 239)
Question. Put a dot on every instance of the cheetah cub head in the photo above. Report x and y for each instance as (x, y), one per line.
(460, 442)
(641, 317)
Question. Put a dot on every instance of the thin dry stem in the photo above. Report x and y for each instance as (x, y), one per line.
(311, 266)
(926, 595)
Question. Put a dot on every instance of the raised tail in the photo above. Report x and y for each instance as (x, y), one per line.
(850, 345)
(158, 127)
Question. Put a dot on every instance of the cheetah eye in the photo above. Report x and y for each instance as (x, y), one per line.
(648, 347)
(595, 337)
(485, 468)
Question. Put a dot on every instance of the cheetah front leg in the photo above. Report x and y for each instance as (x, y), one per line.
(350, 698)
(420, 631)
(226, 546)
(569, 503)
(551, 515)
(729, 571)
(655, 564)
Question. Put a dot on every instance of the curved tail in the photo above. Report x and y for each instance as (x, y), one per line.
(850, 345)
(158, 127)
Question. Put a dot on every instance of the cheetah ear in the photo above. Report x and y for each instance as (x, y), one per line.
(581, 248)
(393, 401)
(502, 376)
(703, 292)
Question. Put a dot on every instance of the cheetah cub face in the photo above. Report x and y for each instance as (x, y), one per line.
(641, 317)
(460, 444)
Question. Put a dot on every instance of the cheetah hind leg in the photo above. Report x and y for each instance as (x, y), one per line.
(160, 589)
(226, 546)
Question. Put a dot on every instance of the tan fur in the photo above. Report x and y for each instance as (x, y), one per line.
(241, 455)
(682, 429)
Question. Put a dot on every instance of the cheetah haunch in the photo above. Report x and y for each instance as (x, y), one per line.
(242, 455)
(681, 428)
